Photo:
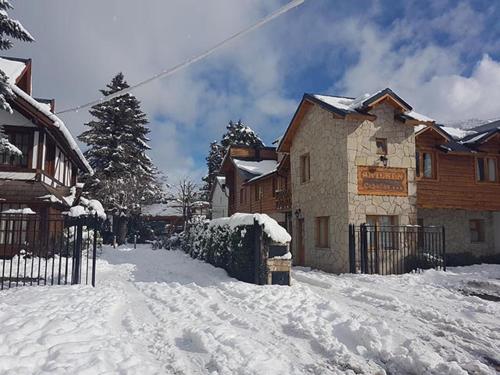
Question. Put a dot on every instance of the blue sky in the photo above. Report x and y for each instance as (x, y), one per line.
(442, 56)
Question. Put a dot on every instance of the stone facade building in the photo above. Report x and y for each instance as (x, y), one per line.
(352, 162)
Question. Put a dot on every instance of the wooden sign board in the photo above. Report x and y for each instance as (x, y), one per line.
(382, 181)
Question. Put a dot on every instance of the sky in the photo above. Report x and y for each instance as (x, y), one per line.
(441, 56)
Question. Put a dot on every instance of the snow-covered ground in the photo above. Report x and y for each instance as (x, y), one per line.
(161, 312)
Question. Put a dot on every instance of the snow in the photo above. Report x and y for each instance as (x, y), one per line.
(58, 123)
(162, 209)
(457, 133)
(12, 69)
(161, 312)
(91, 207)
(336, 101)
(257, 167)
(271, 227)
(50, 198)
(419, 117)
(20, 211)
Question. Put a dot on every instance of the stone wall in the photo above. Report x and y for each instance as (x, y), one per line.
(362, 151)
(456, 224)
(336, 147)
(324, 138)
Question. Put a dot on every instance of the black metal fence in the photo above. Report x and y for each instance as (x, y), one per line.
(386, 250)
(47, 249)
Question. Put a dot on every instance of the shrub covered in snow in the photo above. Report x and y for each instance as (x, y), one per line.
(229, 243)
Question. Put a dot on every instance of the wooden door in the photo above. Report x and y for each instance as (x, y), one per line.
(301, 256)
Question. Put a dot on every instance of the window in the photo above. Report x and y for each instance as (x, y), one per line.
(305, 168)
(275, 186)
(322, 232)
(381, 146)
(242, 195)
(425, 167)
(476, 231)
(486, 169)
(258, 192)
(24, 142)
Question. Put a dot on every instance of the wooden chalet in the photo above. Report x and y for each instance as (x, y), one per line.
(256, 179)
(44, 179)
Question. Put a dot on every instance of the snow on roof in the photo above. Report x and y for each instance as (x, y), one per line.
(256, 167)
(271, 227)
(336, 101)
(457, 133)
(419, 117)
(58, 123)
(162, 209)
(12, 69)
(221, 180)
(353, 105)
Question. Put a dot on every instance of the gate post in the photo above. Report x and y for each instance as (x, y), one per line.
(94, 250)
(352, 248)
(75, 277)
(444, 248)
(364, 248)
(258, 261)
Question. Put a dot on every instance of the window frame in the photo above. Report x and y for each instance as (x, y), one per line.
(479, 227)
(305, 161)
(384, 151)
(486, 171)
(258, 192)
(420, 165)
(27, 153)
(322, 232)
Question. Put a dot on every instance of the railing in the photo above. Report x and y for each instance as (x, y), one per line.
(388, 250)
(283, 200)
(41, 250)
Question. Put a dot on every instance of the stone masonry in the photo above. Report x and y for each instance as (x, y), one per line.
(336, 148)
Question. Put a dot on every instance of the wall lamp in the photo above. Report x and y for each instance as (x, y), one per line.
(298, 213)
(384, 160)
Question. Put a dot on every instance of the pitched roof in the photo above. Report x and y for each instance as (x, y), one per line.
(463, 140)
(345, 107)
(14, 68)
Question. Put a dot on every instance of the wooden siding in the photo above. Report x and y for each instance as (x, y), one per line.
(455, 185)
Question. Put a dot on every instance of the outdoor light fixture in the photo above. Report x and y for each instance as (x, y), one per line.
(298, 213)
(384, 160)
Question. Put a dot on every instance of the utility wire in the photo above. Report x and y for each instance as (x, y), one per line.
(190, 61)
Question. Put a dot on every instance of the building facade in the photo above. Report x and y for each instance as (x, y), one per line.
(43, 180)
(219, 198)
(352, 162)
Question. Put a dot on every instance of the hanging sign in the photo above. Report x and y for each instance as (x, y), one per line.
(382, 181)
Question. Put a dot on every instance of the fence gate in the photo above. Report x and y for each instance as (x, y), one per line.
(47, 250)
(386, 250)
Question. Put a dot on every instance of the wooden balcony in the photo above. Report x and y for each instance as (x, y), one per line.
(284, 200)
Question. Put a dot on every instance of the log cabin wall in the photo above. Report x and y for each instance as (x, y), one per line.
(455, 184)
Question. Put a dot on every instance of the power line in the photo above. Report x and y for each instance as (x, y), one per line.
(190, 61)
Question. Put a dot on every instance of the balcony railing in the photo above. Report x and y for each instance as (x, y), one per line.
(283, 200)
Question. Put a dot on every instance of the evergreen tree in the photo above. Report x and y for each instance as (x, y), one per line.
(237, 134)
(124, 176)
(214, 161)
(9, 28)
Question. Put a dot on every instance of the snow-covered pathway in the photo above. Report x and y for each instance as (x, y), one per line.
(163, 312)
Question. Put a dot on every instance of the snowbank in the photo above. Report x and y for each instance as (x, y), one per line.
(161, 312)
(271, 227)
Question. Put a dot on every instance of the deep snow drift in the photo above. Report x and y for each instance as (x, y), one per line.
(161, 312)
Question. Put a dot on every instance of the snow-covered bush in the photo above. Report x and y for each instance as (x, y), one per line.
(229, 243)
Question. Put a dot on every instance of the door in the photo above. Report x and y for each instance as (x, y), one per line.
(381, 233)
(301, 243)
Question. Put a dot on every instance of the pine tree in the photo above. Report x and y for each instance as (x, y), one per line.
(214, 161)
(237, 134)
(124, 176)
(9, 28)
